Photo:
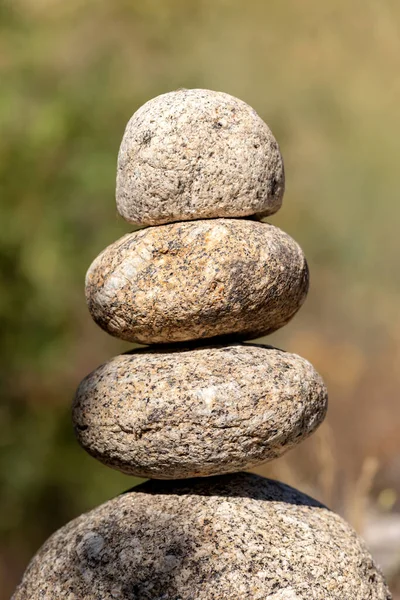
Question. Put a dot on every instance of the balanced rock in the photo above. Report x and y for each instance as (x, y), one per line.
(194, 154)
(230, 537)
(195, 412)
(199, 279)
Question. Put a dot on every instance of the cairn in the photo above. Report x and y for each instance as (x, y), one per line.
(197, 405)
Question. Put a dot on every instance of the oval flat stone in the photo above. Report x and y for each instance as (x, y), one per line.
(195, 154)
(196, 412)
(199, 279)
(232, 537)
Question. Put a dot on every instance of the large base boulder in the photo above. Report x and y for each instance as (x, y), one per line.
(228, 537)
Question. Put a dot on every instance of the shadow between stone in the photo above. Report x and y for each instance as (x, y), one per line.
(240, 485)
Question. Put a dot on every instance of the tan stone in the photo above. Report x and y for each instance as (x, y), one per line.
(227, 538)
(197, 411)
(194, 154)
(197, 279)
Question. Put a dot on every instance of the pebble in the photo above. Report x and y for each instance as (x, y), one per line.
(197, 411)
(232, 537)
(200, 279)
(195, 154)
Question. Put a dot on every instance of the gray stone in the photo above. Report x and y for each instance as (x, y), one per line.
(231, 537)
(197, 279)
(195, 154)
(197, 411)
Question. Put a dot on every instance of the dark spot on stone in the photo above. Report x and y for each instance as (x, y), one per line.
(274, 185)
(82, 427)
(146, 138)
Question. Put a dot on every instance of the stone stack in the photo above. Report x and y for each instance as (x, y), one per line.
(199, 167)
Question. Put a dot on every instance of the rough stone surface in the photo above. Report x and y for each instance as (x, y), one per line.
(195, 154)
(233, 537)
(197, 279)
(196, 412)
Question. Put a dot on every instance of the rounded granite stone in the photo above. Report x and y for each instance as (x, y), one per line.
(178, 413)
(199, 279)
(196, 154)
(231, 537)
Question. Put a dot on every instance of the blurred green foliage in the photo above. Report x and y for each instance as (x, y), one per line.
(325, 76)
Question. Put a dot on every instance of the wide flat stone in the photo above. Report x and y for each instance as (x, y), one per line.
(194, 154)
(232, 537)
(197, 411)
(199, 279)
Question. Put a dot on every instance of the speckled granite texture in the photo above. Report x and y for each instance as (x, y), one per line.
(194, 412)
(198, 279)
(195, 154)
(228, 538)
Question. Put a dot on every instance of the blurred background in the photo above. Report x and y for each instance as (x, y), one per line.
(326, 78)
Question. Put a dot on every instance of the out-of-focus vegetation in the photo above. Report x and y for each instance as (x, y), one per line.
(326, 77)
